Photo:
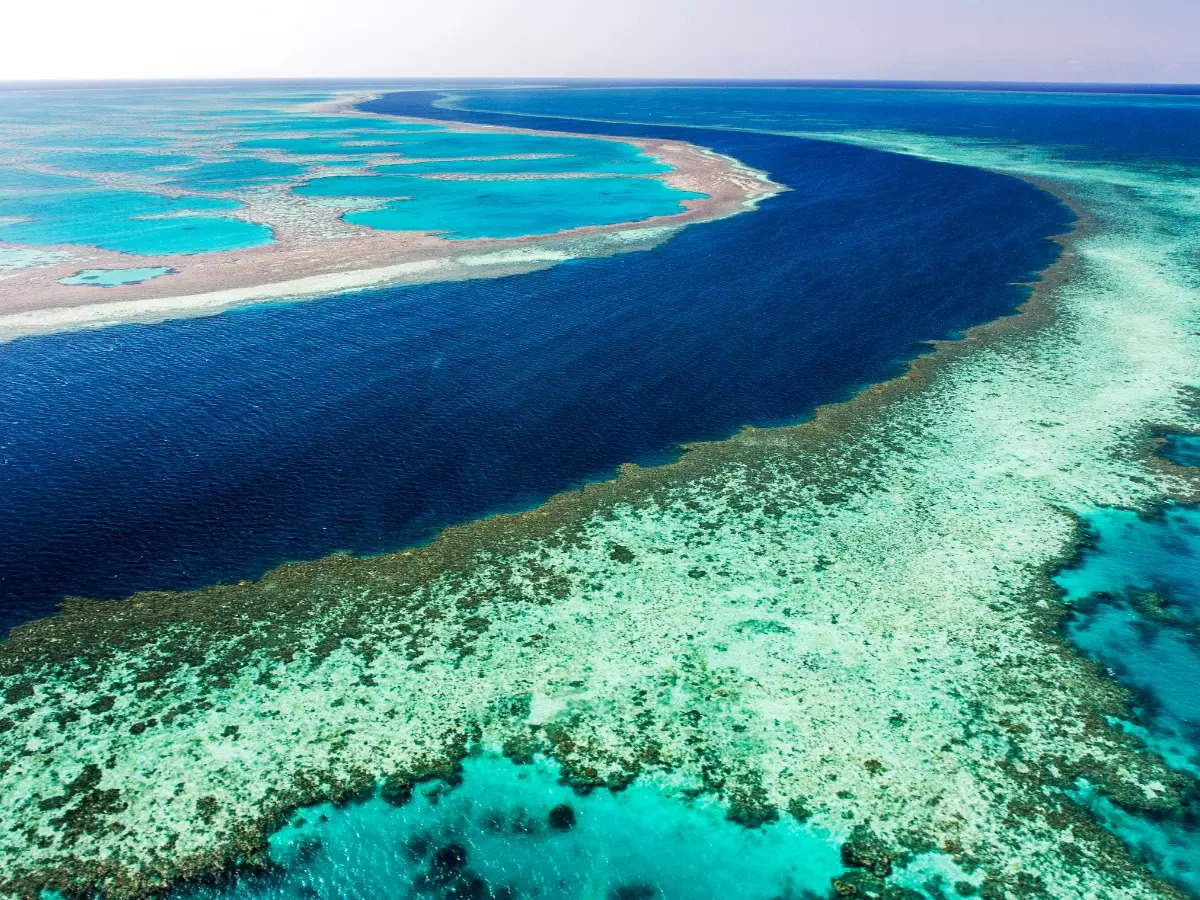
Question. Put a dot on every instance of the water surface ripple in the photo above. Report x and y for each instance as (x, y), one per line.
(192, 452)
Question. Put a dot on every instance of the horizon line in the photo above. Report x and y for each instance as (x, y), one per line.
(649, 80)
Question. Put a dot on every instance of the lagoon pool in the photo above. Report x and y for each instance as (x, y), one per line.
(116, 277)
(128, 222)
(500, 208)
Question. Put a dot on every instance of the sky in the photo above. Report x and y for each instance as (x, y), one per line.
(987, 40)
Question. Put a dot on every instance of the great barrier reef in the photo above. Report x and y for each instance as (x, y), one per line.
(614, 490)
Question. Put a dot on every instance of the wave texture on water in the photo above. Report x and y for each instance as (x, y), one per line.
(369, 422)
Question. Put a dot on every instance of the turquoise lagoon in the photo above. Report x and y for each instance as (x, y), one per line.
(617, 163)
(589, 155)
(1134, 595)
(201, 141)
(1134, 598)
(233, 174)
(25, 180)
(1171, 845)
(1157, 557)
(574, 154)
(284, 123)
(516, 831)
(115, 277)
(500, 209)
(123, 161)
(128, 222)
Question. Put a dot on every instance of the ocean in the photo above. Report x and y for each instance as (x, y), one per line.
(367, 422)
(210, 450)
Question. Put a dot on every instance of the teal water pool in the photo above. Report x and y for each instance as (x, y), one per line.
(129, 222)
(511, 831)
(1183, 449)
(500, 209)
(123, 161)
(1134, 596)
(1154, 557)
(232, 174)
(624, 163)
(26, 180)
(589, 154)
(116, 277)
(569, 154)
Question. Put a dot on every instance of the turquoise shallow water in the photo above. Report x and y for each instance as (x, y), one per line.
(125, 161)
(114, 277)
(1141, 554)
(1135, 608)
(1159, 658)
(1171, 845)
(555, 164)
(574, 154)
(123, 221)
(348, 145)
(285, 123)
(23, 180)
(232, 174)
(134, 141)
(499, 209)
(1135, 599)
(513, 831)
(591, 155)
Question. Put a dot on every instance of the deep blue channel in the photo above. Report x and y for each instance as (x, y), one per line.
(206, 450)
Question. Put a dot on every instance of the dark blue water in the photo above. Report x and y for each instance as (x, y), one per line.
(191, 452)
(1085, 126)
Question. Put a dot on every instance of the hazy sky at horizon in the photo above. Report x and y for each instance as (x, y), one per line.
(1019, 40)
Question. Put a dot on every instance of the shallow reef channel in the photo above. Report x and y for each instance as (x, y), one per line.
(1134, 599)
(500, 829)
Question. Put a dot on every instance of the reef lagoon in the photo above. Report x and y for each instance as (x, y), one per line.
(499, 828)
(842, 547)
(250, 196)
